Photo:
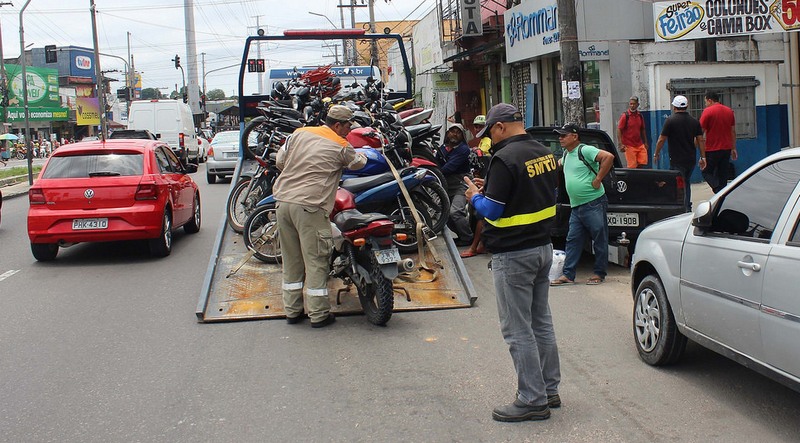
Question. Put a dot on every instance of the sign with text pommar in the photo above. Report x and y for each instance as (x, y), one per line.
(471, 25)
(686, 20)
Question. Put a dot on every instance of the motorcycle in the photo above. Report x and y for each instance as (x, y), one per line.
(363, 253)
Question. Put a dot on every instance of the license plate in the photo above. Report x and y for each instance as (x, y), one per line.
(384, 256)
(623, 219)
(231, 154)
(89, 223)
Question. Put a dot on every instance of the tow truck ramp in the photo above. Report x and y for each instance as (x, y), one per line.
(254, 291)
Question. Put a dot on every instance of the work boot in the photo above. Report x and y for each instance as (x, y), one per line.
(329, 320)
(553, 401)
(519, 411)
(297, 319)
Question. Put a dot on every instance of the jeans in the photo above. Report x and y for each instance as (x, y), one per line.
(686, 173)
(717, 167)
(458, 221)
(522, 285)
(589, 218)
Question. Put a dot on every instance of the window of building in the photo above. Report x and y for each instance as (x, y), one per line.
(737, 92)
(590, 72)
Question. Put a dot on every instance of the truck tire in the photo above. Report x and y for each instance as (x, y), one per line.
(655, 331)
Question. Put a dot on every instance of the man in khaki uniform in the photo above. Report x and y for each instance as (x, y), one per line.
(311, 167)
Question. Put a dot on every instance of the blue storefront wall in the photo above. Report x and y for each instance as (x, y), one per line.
(772, 134)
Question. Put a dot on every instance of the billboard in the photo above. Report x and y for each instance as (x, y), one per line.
(42, 86)
(685, 20)
(87, 111)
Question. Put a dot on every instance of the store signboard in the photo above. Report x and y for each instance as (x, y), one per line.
(593, 51)
(471, 25)
(16, 114)
(82, 64)
(531, 30)
(686, 20)
(445, 82)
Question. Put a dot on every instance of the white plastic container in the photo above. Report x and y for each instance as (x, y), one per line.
(557, 268)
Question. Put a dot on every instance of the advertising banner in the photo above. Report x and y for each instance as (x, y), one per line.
(37, 114)
(42, 86)
(82, 64)
(685, 20)
(87, 111)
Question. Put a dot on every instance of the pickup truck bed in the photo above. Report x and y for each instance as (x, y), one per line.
(642, 196)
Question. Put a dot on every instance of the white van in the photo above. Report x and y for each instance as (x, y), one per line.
(172, 122)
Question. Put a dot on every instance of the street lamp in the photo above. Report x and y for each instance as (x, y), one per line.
(344, 41)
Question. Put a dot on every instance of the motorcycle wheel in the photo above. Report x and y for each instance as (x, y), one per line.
(261, 234)
(437, 172)
(239, 204)
(431, 198)
(20, 155)
(251, 152)
(377, 298)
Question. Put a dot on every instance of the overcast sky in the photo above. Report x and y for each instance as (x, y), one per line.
(158, 31)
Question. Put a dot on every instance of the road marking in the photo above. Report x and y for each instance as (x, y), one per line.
(7, 274)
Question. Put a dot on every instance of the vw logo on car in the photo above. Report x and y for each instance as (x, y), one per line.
(89, 193)
(621, 186)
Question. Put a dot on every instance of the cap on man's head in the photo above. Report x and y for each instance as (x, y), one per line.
(569, 128)
(501, 112)
(340, 113)
(680, 101)
(479, 120)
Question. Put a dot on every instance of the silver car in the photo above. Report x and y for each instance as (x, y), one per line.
(727, 276)
(223, 154)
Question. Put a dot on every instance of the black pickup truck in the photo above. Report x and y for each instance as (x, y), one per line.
(641, 197)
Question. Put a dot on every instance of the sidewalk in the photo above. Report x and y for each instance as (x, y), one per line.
(15, 190)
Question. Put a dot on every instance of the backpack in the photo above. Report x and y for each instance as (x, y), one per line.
(609, 181)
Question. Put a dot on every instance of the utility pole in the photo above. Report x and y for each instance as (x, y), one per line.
(205, 99)
(101, 91)
(3, 81)
(570, 64)
(344, 41)
(335, 52)
(374, 43)
(193, 88)
(25, 94)
(352, 6)
(130, 81)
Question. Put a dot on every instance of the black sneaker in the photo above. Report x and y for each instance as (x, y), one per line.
(297, 319)
(519, 411)
(329, 320)
(553, 401)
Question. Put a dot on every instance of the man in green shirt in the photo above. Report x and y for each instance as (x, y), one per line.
(587, 198)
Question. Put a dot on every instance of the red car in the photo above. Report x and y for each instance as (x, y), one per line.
(108, 191)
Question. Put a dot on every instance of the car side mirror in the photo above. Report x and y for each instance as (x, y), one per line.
(158, 136)
(191, 168)
(702, 215)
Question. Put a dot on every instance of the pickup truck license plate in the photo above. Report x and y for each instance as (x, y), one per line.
(89, 223)
(623, 219)
(384, 256)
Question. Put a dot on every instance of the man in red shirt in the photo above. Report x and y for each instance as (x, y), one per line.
(632, 136)
(719, 125)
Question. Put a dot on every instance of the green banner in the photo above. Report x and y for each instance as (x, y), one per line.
(42, 86)
(38, 114)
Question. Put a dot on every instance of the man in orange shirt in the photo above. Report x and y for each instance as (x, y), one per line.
(632, 136)
(719, 125)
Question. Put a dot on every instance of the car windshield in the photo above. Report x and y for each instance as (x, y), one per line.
(92, 164)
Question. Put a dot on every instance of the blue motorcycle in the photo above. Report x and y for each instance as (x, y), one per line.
(373, 193)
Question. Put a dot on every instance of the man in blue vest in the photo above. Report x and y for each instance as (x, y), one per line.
(517, 200)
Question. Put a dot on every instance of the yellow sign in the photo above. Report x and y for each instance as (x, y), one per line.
(87, 111)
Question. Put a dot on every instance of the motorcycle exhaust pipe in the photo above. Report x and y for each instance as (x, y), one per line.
(406, 265)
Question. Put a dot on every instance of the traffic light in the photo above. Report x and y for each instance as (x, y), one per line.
(124, 94)
(50, 54)
(177, 61)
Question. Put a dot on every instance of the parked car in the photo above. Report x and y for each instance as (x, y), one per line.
(224, 154)
(641, 196)
(726, 275)
(124, 189)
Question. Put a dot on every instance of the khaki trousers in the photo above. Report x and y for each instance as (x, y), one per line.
(306, 243)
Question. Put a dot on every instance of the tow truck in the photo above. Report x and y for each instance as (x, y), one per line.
(238, 287)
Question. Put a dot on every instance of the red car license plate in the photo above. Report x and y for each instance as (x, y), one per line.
(89, 223)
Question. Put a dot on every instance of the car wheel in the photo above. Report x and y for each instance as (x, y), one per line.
(162, 245)
(211, 178)
(44, 251)
(655, 331)
(193, 225)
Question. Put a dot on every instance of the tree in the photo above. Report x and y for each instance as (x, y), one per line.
(215, 94)
(150, 93)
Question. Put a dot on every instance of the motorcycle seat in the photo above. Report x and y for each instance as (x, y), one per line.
(353, 219)
(358, 184)
(416, 130)
(285, 112)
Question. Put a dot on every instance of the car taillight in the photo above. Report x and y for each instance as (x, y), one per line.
(36, 196)
(180, 140)
(199, 142)
(680, 182)
(210, 151)
(146, 191)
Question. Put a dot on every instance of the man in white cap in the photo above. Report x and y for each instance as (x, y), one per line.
(683, 132)
(311, 166)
